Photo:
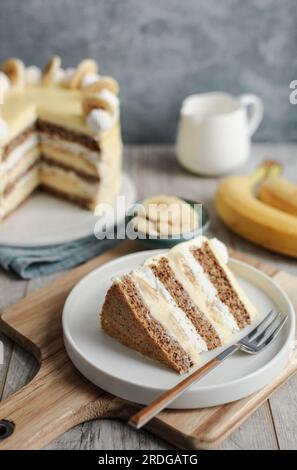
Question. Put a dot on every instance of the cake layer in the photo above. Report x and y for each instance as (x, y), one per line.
(83, 202)
(20, 108)
(12, 150)
(17, 193)
(71, 154)
(50, 161)
(27, 159)
(68, 182)
(68, 134)
(138, 329)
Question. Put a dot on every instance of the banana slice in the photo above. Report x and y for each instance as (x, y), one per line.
(50, 71)
(104, 83)
(164, 208)
(167, 230)
(85, 67)
(189, 220)
(162, 199)
(15, 70)
(144, 226)
(95, 102)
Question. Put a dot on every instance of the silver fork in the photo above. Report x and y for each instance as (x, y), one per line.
(254, 342)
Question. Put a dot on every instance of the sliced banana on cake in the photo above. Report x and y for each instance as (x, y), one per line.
(15, 70)
(104, 83)
(95, 102)
(50, 71)
(87, 66)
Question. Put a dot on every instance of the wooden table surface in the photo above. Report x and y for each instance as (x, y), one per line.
(155, 170)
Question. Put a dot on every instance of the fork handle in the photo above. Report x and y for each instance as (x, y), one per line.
(150, 411)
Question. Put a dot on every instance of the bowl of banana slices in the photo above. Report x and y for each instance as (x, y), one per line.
(163, 221)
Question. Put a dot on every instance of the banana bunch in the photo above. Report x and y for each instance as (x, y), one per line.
(280, 193)
(268, 219)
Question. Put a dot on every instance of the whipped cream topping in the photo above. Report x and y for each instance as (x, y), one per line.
(5, 83)
(33, 75)
(89, 79)
(99, 120)
(3, 129)
(175, 321)
(110, 97)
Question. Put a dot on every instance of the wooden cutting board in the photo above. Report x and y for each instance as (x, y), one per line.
(59, 398)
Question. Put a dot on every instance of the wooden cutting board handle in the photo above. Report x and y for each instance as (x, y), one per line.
(49, 405)
(58, 397)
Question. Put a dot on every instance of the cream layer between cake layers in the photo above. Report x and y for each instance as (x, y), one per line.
(72, 162)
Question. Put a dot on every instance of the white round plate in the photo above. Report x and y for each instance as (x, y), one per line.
(46, 220)
(129, 375)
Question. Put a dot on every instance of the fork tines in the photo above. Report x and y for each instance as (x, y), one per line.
(265, 332)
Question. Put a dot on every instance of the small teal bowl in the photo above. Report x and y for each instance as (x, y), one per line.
(158, 242)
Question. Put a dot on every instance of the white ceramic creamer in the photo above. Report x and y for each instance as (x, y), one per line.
(215, 129)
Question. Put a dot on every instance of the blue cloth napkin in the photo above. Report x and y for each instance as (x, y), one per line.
(28, 262)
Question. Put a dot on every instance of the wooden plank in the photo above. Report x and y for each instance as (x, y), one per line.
(11, 290)
(283, 408)
(256, 433)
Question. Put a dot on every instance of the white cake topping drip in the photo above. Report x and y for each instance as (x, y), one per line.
(208, 288)
(189, 338)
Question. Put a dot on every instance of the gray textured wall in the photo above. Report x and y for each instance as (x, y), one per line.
(163, 50)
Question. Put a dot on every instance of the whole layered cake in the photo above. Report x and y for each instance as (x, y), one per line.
(59, 129)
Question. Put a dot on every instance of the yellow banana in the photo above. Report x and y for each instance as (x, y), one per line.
(240, 209)
(280, 193)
